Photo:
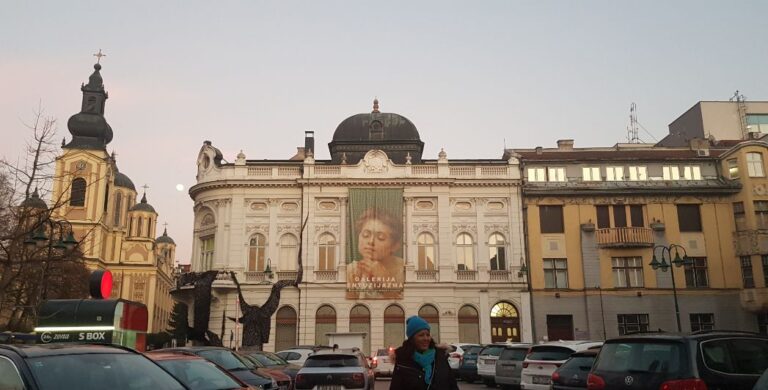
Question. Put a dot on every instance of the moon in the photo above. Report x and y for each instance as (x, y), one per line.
(179, 187)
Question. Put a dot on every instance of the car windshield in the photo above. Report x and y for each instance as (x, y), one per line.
(642, 357)
(492, 351)
(474, 350)
(578, 363)
(251, 362)
(549, 353)
(96, 371)
(224, 358)
(199, 374)
(332, 361)
(265, 360)
(513, 354)
(278, 360)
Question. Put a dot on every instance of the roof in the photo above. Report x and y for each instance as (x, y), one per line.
(165, 239)
(143, 205)
(615, 154)
(171, 355)
(38, 350)
(122, 180)
(34, 202)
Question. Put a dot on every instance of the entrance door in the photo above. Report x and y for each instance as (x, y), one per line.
(560, 327)
(285, 334)
(505, 323)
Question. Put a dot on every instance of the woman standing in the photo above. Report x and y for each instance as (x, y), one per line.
(419, 363)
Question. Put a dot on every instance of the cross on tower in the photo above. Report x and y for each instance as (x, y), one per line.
(145, 188)
(99, 55)
(165, 225)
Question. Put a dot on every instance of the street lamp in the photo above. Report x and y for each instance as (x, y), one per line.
(268, 268)
(671, 265)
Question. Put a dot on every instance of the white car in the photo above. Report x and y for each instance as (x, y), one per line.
(543, 359)
(382, 362)
(335, 369)
(295, 356)
(455, 355)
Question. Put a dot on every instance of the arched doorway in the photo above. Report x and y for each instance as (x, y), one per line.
(360, 321)
(505, 323)
(325, 322)
(430, 313)
(285, 334)
(469, 325)
(394, 326)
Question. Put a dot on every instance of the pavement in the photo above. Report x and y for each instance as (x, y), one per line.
(383, 384)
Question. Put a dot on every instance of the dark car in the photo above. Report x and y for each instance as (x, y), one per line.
(81, 367)
(704, 360)
(572, 375)
(284, 382)
(195, 372)
(271, 360)
(336, 369)
(468, 367)
(231, 362)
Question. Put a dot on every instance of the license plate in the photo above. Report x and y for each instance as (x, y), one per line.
(540, 380)
(490, 361)
(332, 387)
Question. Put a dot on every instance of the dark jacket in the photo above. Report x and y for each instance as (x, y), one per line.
(408, 375)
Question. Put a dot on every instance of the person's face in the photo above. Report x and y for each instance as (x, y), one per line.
(421, 340)
(375, 241)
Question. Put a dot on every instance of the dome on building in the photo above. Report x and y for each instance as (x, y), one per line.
(122, 180)
(393, 133)
(165, 239)
(143, 205)
(89, 128)
(34, 202)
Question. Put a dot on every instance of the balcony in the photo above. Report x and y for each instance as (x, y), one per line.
(326, 275)
(256, 276)
(498, 275)
(625, 237)
(754, 300)
(464, 274)
(426, 275)
(287, 275)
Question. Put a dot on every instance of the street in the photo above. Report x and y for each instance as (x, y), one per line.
(383, 384)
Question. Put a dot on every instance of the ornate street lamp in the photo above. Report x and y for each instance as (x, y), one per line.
(268, 268)
(671, 265)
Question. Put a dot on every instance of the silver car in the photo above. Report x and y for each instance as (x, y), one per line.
(509, 366)
(335, 369)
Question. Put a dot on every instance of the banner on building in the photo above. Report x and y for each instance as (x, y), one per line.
(375, 265)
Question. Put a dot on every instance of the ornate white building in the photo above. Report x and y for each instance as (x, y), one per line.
(463, 238)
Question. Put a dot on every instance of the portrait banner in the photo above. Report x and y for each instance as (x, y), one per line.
(374, 247)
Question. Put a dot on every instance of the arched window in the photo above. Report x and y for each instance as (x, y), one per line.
(77, 192)
(106, 199)
(497, 252)
(257, 253)
(289, 246)
(505, 323)
(469, 325)
(326, 257)
(394, 326)
(426, 248)
(465, 252)
(360, 321)
(325, 322)
(430, 313)
(118, 208)
(140, 228)
(285, 334)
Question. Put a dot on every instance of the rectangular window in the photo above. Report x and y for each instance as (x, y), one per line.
(619, 216)
(692, 172)
(696, 273)
(638, 173)
(603, 217)
(761, 214)
(632, 323)
(614, 173)
(702, 321)
(747, 278)
(551, 219)
(536, 174)
(733, 168)
(591, 174)
(689, 217)
(555, 273)
(757, 123)
(206, 253)
(755, 165)
(671, 173)
(739, 216)
(556, 173)
(627, 272)
(636, 215)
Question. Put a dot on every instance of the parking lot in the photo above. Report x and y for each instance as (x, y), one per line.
(383, 384)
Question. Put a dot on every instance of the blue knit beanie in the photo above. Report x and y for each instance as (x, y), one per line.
(415, 324)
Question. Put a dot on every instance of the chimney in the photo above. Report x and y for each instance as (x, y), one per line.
(565, 144)
(309, 141)
(538, 150)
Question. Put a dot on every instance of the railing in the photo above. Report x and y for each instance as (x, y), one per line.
(332, 170)
(288, 171)
(501, 275)
(626, 237)
(464, 274)
(426, 275)
(260, 171)
(462, 171)
(326, 275)
(255, 276)
(493, 171)
(424, 170)
(287, 275)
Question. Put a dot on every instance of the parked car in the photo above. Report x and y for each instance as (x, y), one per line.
(336, 369)
(572, 375)
(296, 356)
(486, 363)
(195, 372)
(382, 362)
(455, 355)
(510, 365)
(703, 360)
(271, 360)
(468, 367)
(80, 366)
(282, 379)
(230, 361)
(543, 359)
(762, 383)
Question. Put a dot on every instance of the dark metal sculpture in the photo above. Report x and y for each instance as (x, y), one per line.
(202, 282)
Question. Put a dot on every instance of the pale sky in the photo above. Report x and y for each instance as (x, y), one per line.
(254, 75)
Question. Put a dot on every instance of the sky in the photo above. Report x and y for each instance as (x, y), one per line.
(473, 76)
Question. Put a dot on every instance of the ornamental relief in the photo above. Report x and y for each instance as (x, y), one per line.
(375, 161)
(286, 228)
(656, 199)
(261, 228)
(327, 228)
(464, 228)
(425, 227)
(497, 228)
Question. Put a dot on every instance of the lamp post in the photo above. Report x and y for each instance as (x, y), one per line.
(268, 268)
(671, 265)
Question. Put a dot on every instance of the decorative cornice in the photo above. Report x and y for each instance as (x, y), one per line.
(288, 228)
(497, 228)
(425, 227)
(261, 228)
(464, 228)
(327, 228)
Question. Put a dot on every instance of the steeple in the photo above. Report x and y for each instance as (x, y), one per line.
(89, 128)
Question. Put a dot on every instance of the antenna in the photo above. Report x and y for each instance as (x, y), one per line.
(632, 133)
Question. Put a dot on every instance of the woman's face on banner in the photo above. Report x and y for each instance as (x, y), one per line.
(375, 241)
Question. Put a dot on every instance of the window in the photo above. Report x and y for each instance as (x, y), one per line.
(556, 173)
(696, 273)
(689, 217)
(555, 273)
(590, 174)
(747, 278)
(536, 174)
(619, 216)
(692, 172)
(702, 321)
(638, 173)
(9, 375)
(636, 215)
(755, 165)
(206, 253)
(288, 250)
(497, 252)
(77, 192)
(551, 219)
(632, 323)
(432, 316)
(257, 253)
(627, 272)
(740, 356)
(761, 214)
(764, 259)
(671, 173)
(739, 216)
(425, 245)
(118, 208)
(757, 123)
(325, 322)
(603, 217)
(614, 173)
(326, 257)
(733, 168)
(465, 252)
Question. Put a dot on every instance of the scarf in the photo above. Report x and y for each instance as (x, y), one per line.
(426, 360)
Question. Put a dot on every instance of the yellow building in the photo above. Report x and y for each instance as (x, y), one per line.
(117, 232)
